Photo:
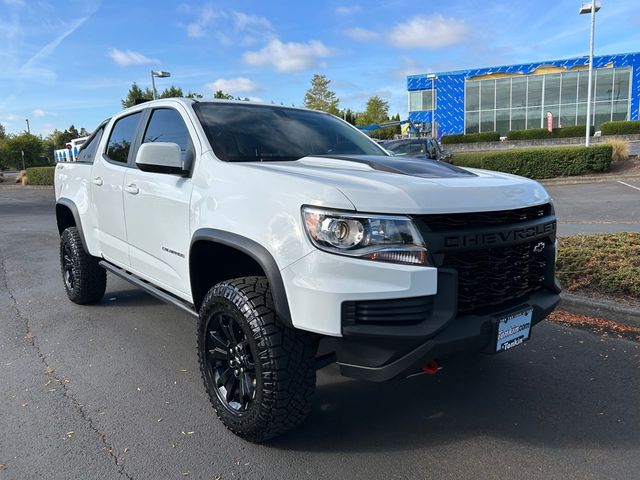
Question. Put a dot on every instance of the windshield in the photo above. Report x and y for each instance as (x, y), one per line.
(259, 133)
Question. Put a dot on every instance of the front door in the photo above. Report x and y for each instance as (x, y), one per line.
(156, 207)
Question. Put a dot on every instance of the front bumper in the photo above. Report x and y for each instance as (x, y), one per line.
(381, 358)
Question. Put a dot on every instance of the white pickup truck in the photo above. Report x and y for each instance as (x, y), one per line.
(297, 242)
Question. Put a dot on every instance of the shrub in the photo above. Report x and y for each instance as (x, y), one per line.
(620, 128)
(540, 162)
(40, 175)
(471, 138)
(541, 133)
(620, 149)
(606, 263)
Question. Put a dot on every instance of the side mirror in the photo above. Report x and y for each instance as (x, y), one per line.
(160, 157)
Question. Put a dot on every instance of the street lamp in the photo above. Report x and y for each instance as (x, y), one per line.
(159, 74)
(591, 7)
(433, 77)
(28, 129)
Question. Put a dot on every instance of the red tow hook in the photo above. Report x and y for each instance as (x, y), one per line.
(431, 367)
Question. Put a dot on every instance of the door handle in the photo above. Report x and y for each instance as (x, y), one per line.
(132, 189)
(97, 181)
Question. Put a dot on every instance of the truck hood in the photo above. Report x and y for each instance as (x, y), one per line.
(414, 186)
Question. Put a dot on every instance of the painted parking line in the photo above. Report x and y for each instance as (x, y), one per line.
(623, 183)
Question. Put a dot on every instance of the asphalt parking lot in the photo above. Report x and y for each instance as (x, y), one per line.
(113, 390)
(611, 206)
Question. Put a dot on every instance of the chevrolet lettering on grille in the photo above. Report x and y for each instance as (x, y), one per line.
(493, 239)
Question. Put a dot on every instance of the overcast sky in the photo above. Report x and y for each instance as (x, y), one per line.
(72, 61)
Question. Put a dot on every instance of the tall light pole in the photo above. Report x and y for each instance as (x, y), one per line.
(591, 7)
(159, 74)
(433, 77)
(28, 129)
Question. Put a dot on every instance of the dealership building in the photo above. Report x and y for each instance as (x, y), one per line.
(518, 97)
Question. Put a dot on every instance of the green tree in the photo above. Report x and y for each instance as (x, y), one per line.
(171, 92)
(349, 116)
(377, 111)
(136, 95)
(31, 145)
(3, 133)
(222, 96)
(319, 97)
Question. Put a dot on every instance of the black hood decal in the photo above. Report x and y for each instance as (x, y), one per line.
(415, 167)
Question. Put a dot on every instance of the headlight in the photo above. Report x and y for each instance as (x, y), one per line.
(383, 238)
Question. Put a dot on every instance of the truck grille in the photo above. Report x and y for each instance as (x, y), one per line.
(494, 276)
(473, 220)
(399, 311)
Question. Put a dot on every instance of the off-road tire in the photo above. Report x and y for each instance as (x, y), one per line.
(84, 280)
(285, 373)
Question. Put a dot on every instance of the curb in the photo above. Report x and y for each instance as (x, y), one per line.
(582, 180)
(26, 187)
(601, 308)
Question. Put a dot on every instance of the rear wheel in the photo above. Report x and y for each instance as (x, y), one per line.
(84, 280)
(260, 375)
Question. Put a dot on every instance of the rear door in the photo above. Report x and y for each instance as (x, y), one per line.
(107, 177)
(156, 207)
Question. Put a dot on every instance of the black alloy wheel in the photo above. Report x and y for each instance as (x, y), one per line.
(230, 363)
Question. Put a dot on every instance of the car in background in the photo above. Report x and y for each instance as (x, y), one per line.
(424, 147)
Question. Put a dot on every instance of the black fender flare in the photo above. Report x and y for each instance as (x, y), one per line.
(68, 203)
(258, 253)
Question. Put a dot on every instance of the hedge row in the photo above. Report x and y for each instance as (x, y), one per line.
(471, 138)
(601, 264)
(40, 175)
(540, 162)
(537, 133)
(620, 128)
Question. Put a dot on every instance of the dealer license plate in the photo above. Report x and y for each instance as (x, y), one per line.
(513, 330)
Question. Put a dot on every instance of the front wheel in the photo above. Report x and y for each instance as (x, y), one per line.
(260, 375)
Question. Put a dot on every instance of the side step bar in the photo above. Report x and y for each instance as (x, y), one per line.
(150, 289)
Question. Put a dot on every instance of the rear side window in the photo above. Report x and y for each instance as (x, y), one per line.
(122, 135)
(88, 151)
(166, 125)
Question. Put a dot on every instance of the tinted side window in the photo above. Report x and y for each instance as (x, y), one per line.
(122, 137)
(166, 125)
(88, 151)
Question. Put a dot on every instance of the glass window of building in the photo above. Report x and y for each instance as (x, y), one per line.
(569, 88)
(487, 121)
(472, 122)
(415, 101)
(428, 97)
(602, 113)
(551, 90)
(583, 85)
(621, 77)
(518, 92)
(581, 114)
(487, 94)
(503, 93)
(534, 117)
(604, 85)
(472, 96)
(568, 114)
(502, 121)
(534, 91)
(518, 119)
(620, 111)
